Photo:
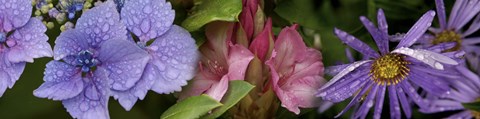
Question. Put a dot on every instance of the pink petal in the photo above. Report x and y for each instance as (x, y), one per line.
(289, 48)
(197, 86)
(238, 60)
(296, 71)
(261, 44)
(217, 90)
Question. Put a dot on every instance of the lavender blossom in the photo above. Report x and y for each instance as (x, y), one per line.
(173, 52)
(453, 30)
(465, 89)
(91, 60)
(400, 70)
(22, 39)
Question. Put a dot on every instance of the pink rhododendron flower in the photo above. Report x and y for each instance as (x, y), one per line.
(296, 70)
(222, 62)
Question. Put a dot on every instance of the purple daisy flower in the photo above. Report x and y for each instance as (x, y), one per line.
(465, 89)
(453, 30)
(91, 60)
(22, 39)
(400, 70)
(173, 51)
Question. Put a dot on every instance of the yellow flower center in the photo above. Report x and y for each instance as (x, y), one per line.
(389, 69)
(448, 36)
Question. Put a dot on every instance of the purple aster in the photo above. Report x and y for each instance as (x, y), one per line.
(400, 71)
(173, 51)
(454, 29)
(91, 60)
(465, 89)
(22, 39)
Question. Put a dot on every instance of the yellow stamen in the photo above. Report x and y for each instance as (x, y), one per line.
(448, 36)
(389, 69)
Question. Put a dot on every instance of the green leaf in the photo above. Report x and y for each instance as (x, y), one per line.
(472, 106)
(192, 107)
(236, 91)
(206, 11)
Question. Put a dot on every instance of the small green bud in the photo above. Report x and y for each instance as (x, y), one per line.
(50, 25)
(44, 9)
(38, 13)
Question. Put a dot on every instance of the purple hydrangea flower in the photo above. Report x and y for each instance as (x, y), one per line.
(465, 89)
(400, 70)
(454, 30)
(91, 60)
(70, 7)
(173, 51)
(22, 39)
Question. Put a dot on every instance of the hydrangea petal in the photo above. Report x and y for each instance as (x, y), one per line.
(62, 81)
(175, 55)
(124, 62)
(417, 30)
(9, 72)
(433, 59)
(14, 14)
(356, 44)
(31, 42)
(147, 19)
(92, 102)
(101, 23)
(70, 43)
(129, 97)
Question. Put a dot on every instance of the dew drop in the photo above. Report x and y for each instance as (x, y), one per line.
(438, 66)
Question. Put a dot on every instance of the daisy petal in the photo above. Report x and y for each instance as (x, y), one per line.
(431, 58)
(356, 44)
(417, 30)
